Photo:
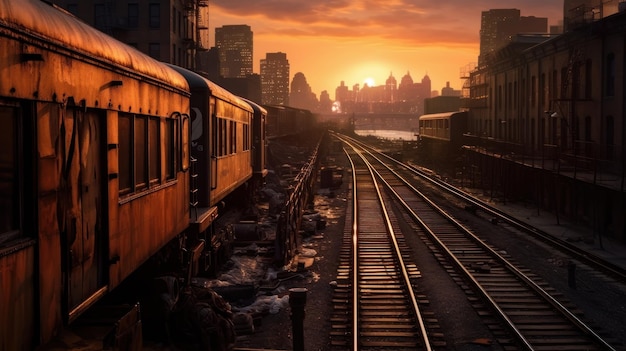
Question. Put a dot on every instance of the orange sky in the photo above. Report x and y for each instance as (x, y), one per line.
(330, 41)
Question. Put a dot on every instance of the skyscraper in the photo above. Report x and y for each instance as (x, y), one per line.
(275, 79)
(170, 30)
(499, 26)
(234, 43)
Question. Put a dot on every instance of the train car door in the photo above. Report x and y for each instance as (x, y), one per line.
(84, 209)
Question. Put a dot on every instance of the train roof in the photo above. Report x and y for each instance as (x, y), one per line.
(256, 107)
(197, 81)
(42, 21)
(440, 115)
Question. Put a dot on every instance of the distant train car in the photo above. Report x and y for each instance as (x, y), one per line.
(93, 169)
(441, 134)
(259, 164)
(285, 120)
(221, 146)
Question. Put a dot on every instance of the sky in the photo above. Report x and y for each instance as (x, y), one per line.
(330, 41)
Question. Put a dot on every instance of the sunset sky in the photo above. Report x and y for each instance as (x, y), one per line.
(330, 41)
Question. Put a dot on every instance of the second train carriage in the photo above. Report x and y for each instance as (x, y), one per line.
(93, 168)
(441, 135)
(221, 146)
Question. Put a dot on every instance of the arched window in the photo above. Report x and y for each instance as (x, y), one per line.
(610, 137)
(610, 75)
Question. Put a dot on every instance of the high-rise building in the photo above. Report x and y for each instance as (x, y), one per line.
(275, 79)
(172, 31)
(234, 43)
(301, 95)
(499, 26)
(577, 13)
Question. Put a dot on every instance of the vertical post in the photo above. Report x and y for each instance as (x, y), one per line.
(571, 274)
(297, 301)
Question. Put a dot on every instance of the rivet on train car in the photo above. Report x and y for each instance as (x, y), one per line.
(36, 94)
(96, 103)
(12, 90)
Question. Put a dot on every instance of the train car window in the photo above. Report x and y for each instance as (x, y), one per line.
(154, 150)
(170, 163)
(184, 141)
(233, 137)
(124, 153)
(246, 137)
(140, 153)
(9, 176)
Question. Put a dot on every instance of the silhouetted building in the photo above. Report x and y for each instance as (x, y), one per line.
(578, 13)
(449, 91)
(442, 104)
(326, 104)
(391, 89)
(171, 31)
(235, 50)
(275, 79)
(301, 95)
(248, 87)
(498, 26)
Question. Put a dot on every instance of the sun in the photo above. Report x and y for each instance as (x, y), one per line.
(369, 81)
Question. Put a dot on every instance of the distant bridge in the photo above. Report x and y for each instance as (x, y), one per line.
(373, 121)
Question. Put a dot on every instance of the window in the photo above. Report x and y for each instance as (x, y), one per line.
(155, 15)
(140, 151)
(170, 149)
(140, 154)
(99, 17)
(174, 19)
(610, 75)
(124, 153)
(133, 15)
(246, 137)
(154, 50)
(9, 176)
(588, 77)
(233, 137)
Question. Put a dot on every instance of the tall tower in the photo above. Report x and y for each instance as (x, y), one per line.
(499, 26)
(234, 43)
(172, 31)
(275, 79)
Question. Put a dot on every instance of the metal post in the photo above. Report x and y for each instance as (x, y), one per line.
(571, 274)
(297, 301)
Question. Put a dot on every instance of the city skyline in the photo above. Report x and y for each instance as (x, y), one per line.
(355, 41)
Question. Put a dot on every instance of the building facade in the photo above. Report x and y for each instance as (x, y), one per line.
(275, 79)
(174, 31)
(558, 104)
(234, 44)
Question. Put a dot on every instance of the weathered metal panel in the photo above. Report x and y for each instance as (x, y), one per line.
(17, 299)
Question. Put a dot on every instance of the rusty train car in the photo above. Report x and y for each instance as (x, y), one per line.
(108, 156)
(285, 120)
(441, 135)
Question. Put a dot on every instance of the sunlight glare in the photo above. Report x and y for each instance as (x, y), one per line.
(369, 81)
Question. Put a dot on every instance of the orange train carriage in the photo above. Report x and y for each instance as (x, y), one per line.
(97, 172)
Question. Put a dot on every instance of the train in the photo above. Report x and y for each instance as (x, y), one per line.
(441, 135)
(108, 156)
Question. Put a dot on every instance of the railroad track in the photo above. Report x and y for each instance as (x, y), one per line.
(528, 315)
(376, 306)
